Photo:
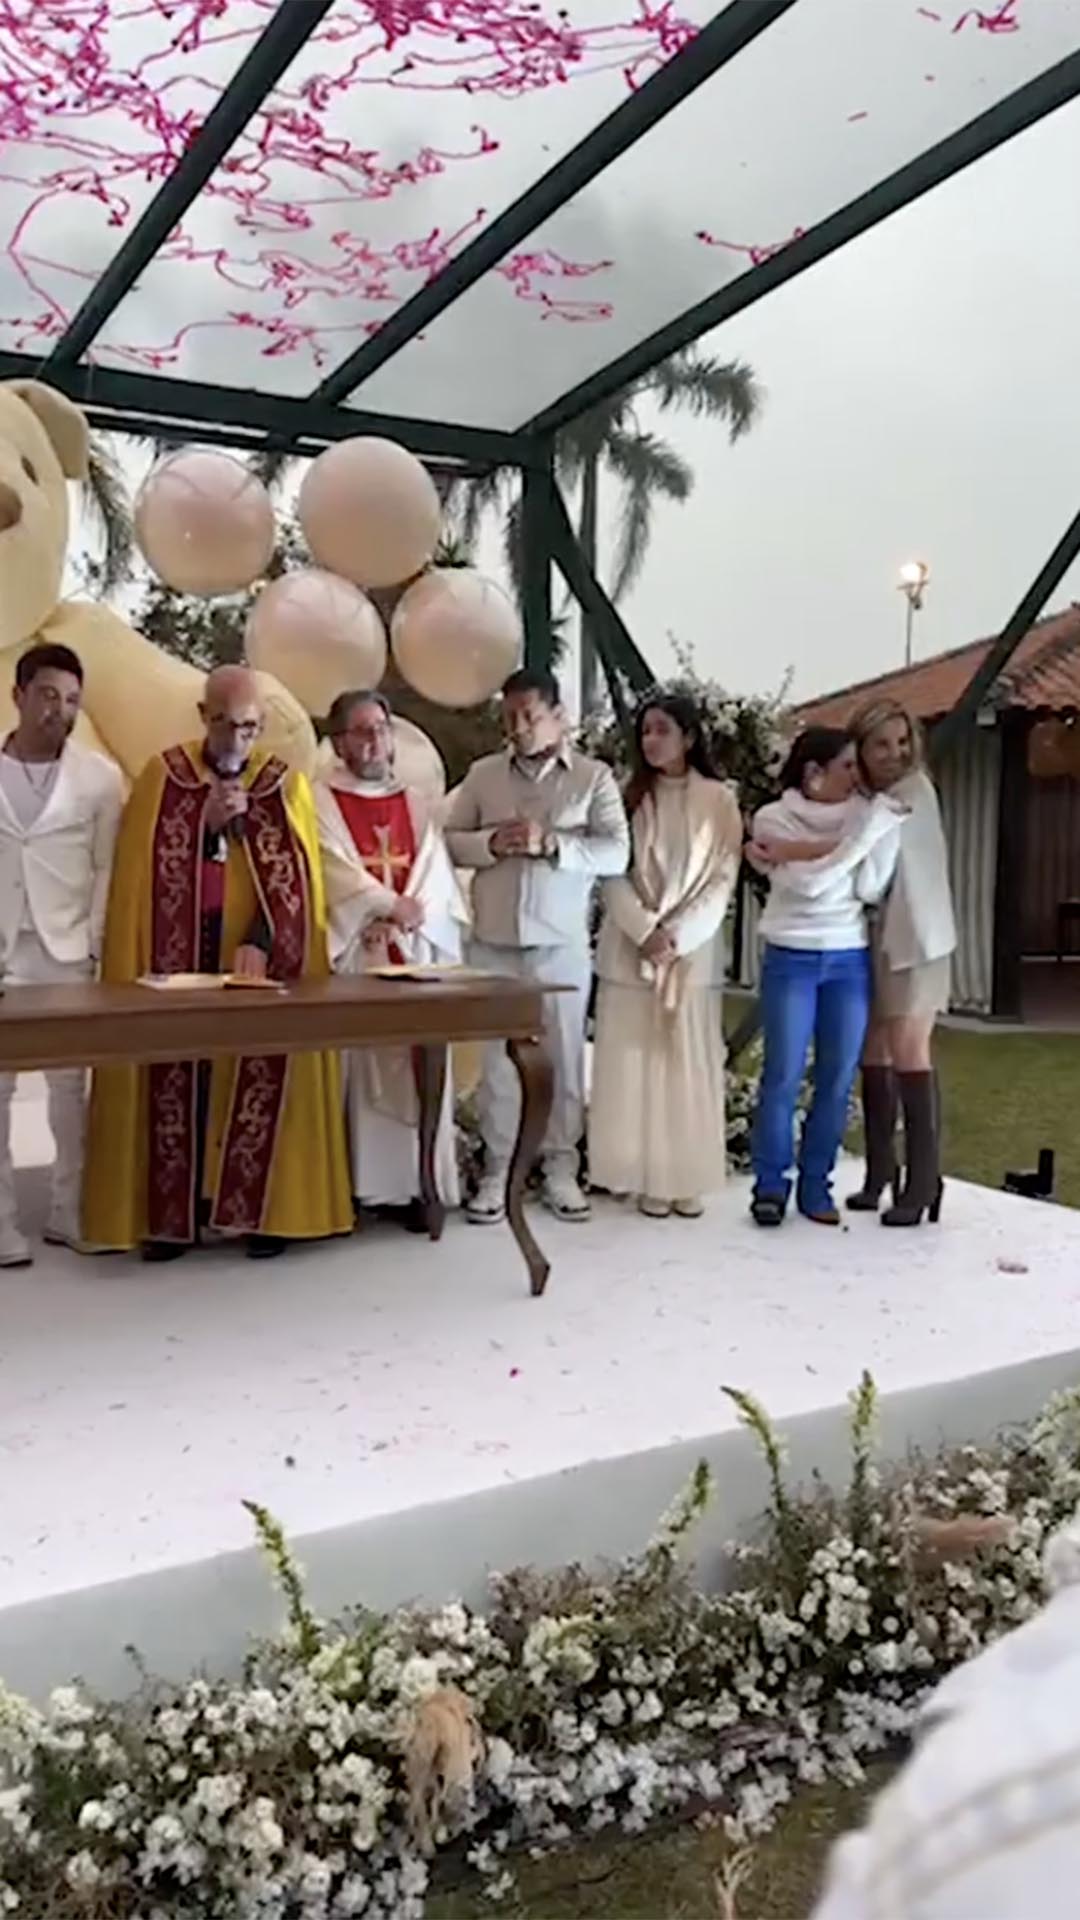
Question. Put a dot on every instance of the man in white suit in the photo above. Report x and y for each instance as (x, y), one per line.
(60, 808)
(391, 897)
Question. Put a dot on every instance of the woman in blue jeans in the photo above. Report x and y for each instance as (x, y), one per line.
(829, 852)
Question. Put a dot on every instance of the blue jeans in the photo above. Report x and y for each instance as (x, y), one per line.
(823, 997)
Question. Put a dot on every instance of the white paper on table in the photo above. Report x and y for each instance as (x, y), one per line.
(180, 982)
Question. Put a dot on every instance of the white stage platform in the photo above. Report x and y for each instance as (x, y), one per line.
(414, 1418)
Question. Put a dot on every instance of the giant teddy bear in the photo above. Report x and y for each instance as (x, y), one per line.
(137, 700)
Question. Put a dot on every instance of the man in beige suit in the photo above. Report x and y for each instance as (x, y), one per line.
(537, 825)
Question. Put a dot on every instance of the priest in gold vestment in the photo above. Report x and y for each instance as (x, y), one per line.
(217, 870)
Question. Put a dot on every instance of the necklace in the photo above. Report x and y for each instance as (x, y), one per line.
(46, 768)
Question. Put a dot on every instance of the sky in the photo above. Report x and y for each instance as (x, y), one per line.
(923, 401)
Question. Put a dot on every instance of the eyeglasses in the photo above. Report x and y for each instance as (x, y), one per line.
(375, 730)
(247, 729)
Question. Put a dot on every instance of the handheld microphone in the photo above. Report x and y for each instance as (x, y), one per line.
(229, 767)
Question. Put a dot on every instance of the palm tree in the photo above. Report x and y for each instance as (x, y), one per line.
(610, 440)
(108, 508)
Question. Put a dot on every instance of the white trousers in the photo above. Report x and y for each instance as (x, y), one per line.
(29, 965)
(499, 1095)
(384, 1151)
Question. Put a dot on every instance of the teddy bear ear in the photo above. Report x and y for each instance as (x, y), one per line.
(63, 421)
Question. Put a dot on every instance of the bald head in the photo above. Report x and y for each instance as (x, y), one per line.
(232, 683)
(233, 714)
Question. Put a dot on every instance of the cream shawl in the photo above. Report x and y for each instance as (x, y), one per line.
(679, 880)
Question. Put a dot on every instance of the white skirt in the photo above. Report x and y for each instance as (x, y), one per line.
(656, 1117)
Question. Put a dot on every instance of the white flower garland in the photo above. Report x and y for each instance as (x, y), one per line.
(604, 1702)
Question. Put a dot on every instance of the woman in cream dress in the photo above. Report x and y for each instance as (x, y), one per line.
(656, 1123)
(913, 942)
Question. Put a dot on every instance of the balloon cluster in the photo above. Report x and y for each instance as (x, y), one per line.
(371, 518)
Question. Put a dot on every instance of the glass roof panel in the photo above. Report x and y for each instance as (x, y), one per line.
(835, 97)
(395, 136)
(97, 104)
(406, 126)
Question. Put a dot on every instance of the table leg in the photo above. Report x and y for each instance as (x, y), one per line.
(534, 1071)
(429, 1068)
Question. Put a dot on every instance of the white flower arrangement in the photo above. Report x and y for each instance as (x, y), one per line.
(580, 1703)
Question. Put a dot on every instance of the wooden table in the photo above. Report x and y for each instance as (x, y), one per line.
(101, 1026)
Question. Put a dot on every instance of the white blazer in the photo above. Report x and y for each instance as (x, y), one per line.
(917, 922)
(60, 867)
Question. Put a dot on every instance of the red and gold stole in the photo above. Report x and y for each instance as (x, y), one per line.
(279, 874)
(380, 827)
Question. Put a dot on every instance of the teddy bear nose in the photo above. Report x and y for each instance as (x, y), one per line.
(10, 507)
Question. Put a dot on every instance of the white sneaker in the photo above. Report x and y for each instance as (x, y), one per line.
(62, 1230)
(487, 1208)
(564, 1197)
(14, 1247)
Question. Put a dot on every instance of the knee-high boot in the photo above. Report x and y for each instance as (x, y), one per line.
(922, 1193)
(880, 1105)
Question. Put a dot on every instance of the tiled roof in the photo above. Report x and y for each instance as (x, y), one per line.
(1043, 674)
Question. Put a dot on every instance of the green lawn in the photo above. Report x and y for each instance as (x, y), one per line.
(1005, 1096)
(674, 1877)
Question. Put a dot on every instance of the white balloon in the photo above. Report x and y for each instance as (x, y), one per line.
(204, 522)
(319, 635)
(370, 512)
(455, 637)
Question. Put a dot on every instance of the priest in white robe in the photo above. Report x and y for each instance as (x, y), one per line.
(392, 897)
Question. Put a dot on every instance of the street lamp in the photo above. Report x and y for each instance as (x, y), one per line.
(914, 576)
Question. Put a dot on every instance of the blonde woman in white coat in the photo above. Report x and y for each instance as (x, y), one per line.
(656, 1123)
(913, 942)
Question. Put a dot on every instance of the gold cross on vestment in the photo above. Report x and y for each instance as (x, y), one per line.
(386, 861)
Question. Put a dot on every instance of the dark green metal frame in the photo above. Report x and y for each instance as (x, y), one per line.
(724, 36)
(277, 46)
(1021, 621)
(537, 494)
(1002, 122)
(138, 401)
(548, 539)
